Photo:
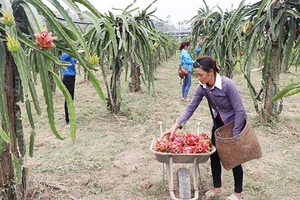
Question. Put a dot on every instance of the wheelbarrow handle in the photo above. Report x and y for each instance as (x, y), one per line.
(160, 128)
(198, 128)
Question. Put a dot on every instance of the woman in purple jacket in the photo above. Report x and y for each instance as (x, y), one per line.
(227, 106)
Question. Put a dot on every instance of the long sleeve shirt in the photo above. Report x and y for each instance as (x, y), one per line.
(186, 60)
(224, 99)
(69, 70)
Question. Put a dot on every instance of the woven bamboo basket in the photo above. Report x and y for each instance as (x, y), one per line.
(235, 151)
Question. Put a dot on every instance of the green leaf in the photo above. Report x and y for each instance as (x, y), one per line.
(96, 85)
(292, 92)
(284, 91)
(112, 36)
(72, 5)
(6, 5)
(262, 7)
(3, 105)
(22, 64)
(17, 168)
(94, 20)
(47, 94)
(68, 32)
(34, 97)
(28, 110)
(31, 143)
(4, 136)
(33, 17)
(70, 105)
(89, 6)
(293, 13)
(32, 134)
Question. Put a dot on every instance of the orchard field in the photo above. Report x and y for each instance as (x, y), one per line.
(111, 160)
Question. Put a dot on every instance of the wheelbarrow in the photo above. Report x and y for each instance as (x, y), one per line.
(183, 180)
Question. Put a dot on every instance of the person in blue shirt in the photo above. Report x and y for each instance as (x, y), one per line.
(186, 62)
(69, 74)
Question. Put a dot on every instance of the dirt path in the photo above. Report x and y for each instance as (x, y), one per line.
(111, 160)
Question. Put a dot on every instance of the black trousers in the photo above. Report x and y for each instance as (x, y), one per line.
(216, 167)
(69, 82)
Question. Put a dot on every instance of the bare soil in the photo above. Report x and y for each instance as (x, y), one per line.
(111, 159)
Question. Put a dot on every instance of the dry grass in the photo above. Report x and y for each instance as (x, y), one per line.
(110, 158)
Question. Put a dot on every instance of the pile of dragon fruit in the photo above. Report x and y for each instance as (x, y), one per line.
(184, 143)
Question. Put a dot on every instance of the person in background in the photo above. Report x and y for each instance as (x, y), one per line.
(224, 98)
(186, 62)
(69, 74)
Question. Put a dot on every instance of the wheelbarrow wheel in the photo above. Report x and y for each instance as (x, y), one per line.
(184, 183)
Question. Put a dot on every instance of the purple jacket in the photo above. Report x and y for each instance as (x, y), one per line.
(225, 100)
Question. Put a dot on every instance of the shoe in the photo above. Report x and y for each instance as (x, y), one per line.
(232, 197)
(209, 194)
(67, 124)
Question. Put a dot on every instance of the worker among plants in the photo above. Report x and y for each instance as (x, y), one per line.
(69, 74)
(186, 62)
(224, 98)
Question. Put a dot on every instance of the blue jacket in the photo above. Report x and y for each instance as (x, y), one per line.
(186, 60)
(69, 70)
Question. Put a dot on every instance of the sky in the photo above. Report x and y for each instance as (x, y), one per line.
(179, 10)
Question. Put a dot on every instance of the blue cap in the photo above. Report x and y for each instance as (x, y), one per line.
(198, 50)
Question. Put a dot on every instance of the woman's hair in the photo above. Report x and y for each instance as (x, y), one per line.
(183, 44)
(206, 63)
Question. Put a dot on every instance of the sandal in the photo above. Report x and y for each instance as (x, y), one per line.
(232, 197)
(208, 195)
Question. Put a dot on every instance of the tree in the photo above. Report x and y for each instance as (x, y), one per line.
(220, 35)
(119, 41)
(273, 26)
(267, 29)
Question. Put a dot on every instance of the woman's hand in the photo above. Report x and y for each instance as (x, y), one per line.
(172, 130)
